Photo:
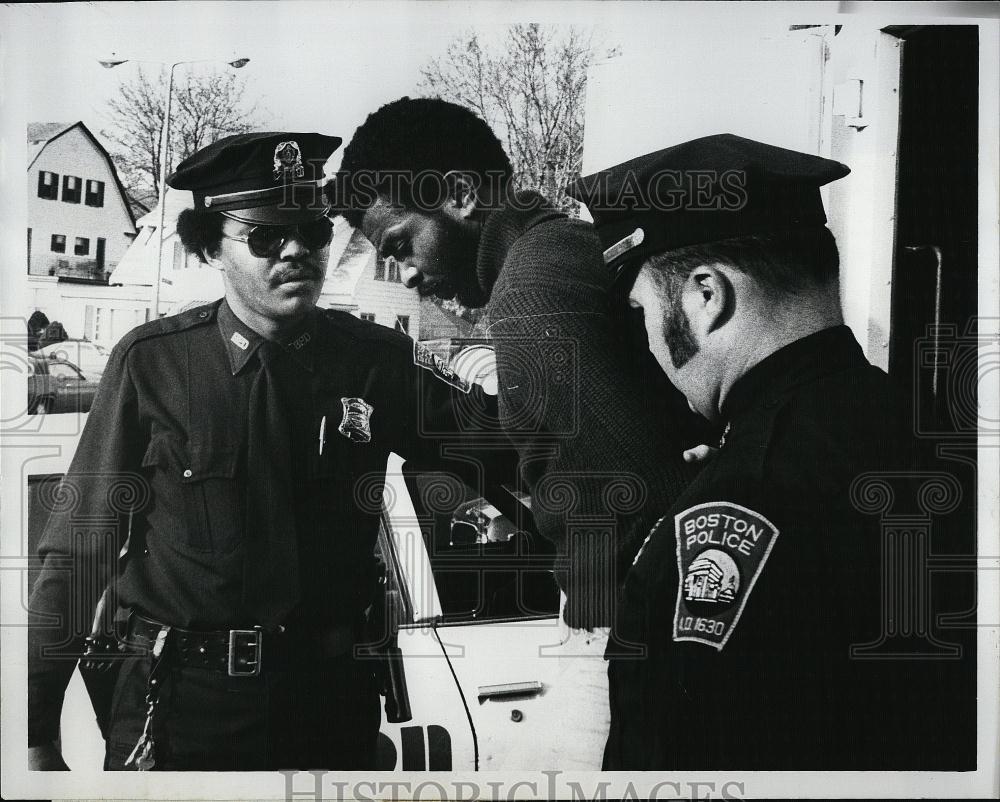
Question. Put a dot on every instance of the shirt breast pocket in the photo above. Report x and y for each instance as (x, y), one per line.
(197, 494)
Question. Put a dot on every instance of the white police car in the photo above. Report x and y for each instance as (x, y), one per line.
(481, 673)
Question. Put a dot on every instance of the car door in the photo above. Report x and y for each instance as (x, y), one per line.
(485, 615)
(72, 390)
(424, 720)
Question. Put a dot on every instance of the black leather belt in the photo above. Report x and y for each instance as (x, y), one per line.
(242, 652)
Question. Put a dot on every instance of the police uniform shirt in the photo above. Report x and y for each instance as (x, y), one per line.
(750, 592)
(162, 463)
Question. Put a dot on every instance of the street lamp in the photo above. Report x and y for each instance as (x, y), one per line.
(164, 154)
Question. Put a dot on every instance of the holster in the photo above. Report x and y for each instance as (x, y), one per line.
(102, 660)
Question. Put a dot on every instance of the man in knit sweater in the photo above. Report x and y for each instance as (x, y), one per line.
(430, 186)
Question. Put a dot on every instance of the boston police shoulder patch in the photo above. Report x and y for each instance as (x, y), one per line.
(424, 358)
(721, 550)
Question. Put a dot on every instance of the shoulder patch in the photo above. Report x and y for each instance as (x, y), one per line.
(424, 358)
(721, 550)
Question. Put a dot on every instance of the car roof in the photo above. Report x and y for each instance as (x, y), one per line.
(49, 360)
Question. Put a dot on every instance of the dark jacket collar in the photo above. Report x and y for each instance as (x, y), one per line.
(820, 354)
(241, 342)
(503, 227)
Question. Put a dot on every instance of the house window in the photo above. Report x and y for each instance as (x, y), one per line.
(379, 268)
(402, 323)
(71, 189)
(82, 247)
(178, 256)
(58, 243)
(369, 316)
(394, 271)
(48, 185)
(95, 193)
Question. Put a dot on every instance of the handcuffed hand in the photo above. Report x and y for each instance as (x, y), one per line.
(700, 453)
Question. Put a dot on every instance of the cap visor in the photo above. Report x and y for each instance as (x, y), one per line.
(276, 215)
(293, 203)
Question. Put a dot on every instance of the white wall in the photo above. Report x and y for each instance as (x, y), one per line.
(862, 206)
(73, 153)
(761, 83)
(386, 299)
(113, 311)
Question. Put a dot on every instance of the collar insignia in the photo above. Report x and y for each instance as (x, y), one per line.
(288, 161)
(239, 341)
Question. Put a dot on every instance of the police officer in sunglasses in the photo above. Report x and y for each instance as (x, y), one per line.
(235, 454)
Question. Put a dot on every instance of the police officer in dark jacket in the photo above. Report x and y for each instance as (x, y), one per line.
(238, 450)
(770, 620)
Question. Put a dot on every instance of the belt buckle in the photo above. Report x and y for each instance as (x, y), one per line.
(244, 639)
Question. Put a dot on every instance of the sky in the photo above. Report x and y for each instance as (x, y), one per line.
(314, 65)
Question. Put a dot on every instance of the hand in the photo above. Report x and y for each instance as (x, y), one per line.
(46, 758)
(700, 453)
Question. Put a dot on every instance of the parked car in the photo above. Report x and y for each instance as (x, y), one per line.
(90, 357)
(58, 386)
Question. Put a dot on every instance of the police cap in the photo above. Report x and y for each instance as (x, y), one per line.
(709, 189)
(266, 177)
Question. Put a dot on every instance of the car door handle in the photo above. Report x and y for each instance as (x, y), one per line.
(509, 690)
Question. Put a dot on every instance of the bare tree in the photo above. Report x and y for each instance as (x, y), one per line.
(205, 107)
(530, 88)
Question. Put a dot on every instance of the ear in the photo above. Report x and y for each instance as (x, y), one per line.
(212, 260)
(462, 198)
(710, 297)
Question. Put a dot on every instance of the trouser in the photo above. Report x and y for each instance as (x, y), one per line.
(323, 716)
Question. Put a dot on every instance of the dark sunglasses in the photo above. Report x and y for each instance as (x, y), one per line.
(266, 242)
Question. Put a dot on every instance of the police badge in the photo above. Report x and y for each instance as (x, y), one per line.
(288, 160)
(356, 424)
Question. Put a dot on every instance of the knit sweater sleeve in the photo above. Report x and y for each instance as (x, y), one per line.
(601, 461)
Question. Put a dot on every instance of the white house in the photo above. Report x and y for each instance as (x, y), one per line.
(79, 220)
(79, 227)
(360, 282)
(185, 280)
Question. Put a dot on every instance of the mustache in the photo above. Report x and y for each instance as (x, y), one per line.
(297, 271)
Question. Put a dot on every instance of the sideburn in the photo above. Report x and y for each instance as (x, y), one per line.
(678, 335)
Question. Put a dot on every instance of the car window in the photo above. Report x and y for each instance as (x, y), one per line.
(487, 564)
(63, 370)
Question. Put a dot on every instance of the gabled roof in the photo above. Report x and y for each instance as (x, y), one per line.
(41, 134)
(350, 254)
